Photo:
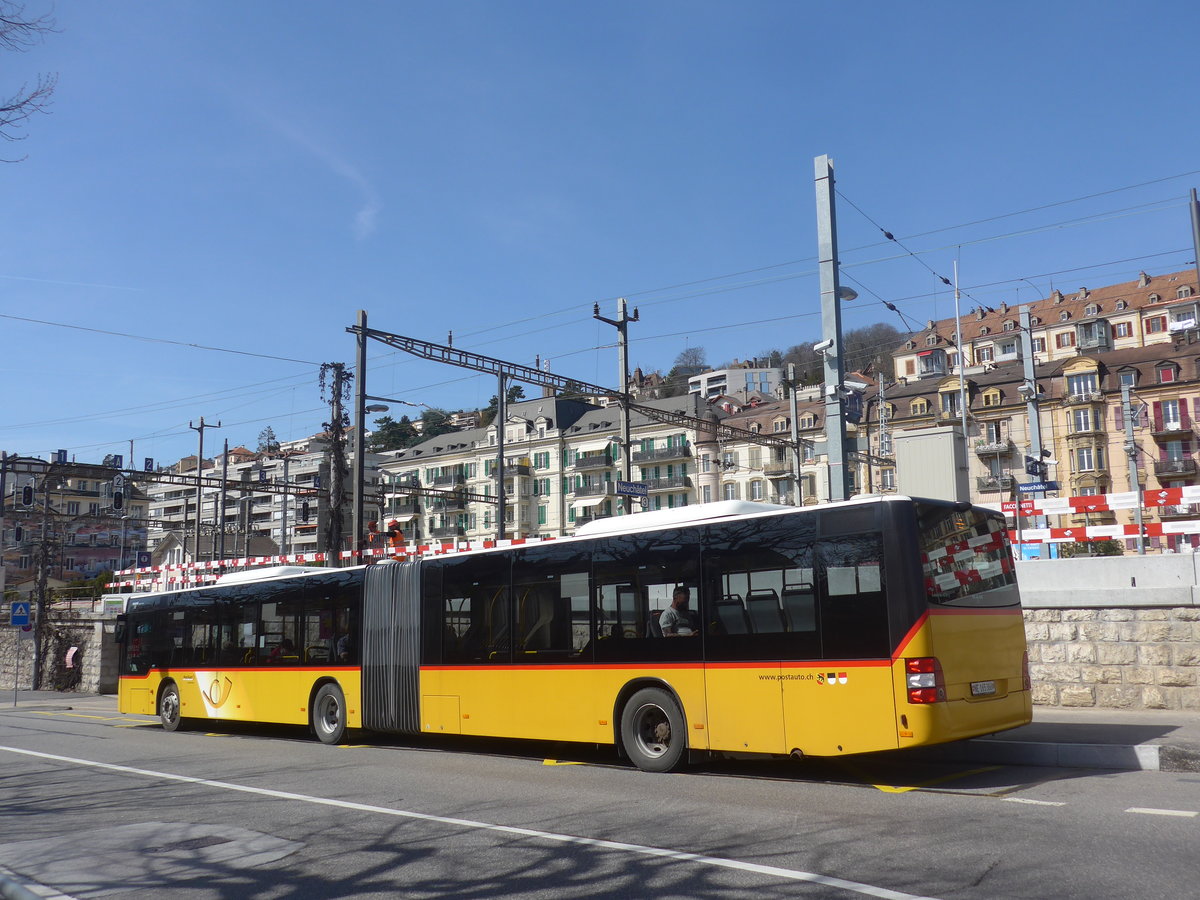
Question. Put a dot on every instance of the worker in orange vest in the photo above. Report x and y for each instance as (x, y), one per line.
(395, 536)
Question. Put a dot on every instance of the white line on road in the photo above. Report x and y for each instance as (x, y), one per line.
(1150, 811)
(867, 890)
(1032, 802)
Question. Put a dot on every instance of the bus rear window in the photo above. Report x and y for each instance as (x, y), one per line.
(964, 554)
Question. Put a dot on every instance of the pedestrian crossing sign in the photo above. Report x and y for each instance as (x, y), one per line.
(20, 613)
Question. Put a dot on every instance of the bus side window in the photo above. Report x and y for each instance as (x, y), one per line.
(853, 608)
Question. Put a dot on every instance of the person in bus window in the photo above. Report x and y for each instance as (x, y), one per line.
(676, 620)
(283, 650)
(344, 648)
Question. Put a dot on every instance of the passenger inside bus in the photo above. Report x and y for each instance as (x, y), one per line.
(676, 620)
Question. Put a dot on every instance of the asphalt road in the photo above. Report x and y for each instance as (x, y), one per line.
(94, 803)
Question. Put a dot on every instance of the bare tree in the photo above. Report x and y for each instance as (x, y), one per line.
(18, 33)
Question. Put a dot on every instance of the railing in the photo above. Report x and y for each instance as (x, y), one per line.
(449, 480)
(404, 508)
(777, 469)
(667, 484)
(603, 489)
(448, 504)
(988, 447)
(1185, 511)
(1174, 467)
(662, 453)
(511, 469)
(601, 461)
(1171, 428)
(994, 483)
(1083, 397)
(446, 531)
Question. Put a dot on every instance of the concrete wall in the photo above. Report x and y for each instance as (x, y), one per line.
(1113, 632)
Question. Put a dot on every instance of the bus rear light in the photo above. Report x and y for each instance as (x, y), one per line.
(925, 681)
(1026, 682)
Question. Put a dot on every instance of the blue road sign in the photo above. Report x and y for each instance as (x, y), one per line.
(20, 613)
(632, 489)
(1033, 487)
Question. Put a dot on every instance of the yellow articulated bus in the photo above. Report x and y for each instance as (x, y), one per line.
(874, 624)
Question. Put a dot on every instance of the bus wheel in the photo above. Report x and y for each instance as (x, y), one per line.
(329, 714)
(653, 731)
(169, 709)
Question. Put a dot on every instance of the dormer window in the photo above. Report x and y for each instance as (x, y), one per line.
(931, 341)
(985, 330)
(1035, 321)
(1155, 298)
(1010, 325)
(1167, 373)
(910, 345)
(1091, 309)
(1121, 304)
(1185, 291)
(1063, 316)
(919, 407)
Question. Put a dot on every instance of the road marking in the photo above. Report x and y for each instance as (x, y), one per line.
(859, 773)
(867, 890)
(1150, 811)
(560, 762)
(1032, 802)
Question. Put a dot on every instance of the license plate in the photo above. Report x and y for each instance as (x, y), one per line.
(982, 688)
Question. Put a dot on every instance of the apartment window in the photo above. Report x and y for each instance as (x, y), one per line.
(93, 509)
(706, 494)
(1170, 415)
(1084, 383)
(991, 398)
(728, 460)
(72, 507)
(1010, 325)
(931, 341)
(1185, 291)
(1166, 374)
(1082, 420)
(1156, 324)
(782, 425)
(1063, 316)
(705, 463)
(910, 367)
(729, 491)
(1121, 304)
(1088, 459)
(949, 403)
(1064, 339)
(1122, 329)
(1129, 378)
(1039, 345)
(991, 432)
(1008, 348)
(983, 354)
(808, 421)
(887, 479)
(919, 407)
(756, 490)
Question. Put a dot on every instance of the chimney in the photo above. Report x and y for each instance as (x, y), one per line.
(1057, 296)
(1083, 293)
(979, 314)
(1143, 279)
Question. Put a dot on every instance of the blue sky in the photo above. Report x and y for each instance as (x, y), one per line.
(246, 176)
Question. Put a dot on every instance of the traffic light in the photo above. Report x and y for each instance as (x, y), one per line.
(18, 534)
(118, 501)
(27, 495)
(304, 511)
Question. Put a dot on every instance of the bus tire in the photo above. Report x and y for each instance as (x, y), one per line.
(170, 709)
(653, 731)
(329, 714)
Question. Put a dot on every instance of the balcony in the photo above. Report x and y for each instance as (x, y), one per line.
(599, 461)
(1083, 397)
(513, 469)
(446, 531)
(662, 454)
(1186, 511)
(448, 504)
(602, 489)
(993, 448)
(674, 483)
(777, 469)
(1176, 467)
(409, 507)
(443, 481)
(591, 517)
(994, 483)
(1171, 429)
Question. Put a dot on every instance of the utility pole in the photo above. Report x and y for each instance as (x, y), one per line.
(199, 481)
(224, 491)
(621, 323)
(1131, 452)
(1029, 390)
(501, 420)
(360, 431)
(831, 330)
(797, 498)
(337, 463)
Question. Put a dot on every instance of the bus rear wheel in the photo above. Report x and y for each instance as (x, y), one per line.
(329, 714)
(653, 731)
(169, 709)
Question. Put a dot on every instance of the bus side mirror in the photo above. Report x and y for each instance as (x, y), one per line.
(119, 632)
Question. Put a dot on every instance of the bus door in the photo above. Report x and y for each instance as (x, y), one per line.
(838, 695)
(743, 642)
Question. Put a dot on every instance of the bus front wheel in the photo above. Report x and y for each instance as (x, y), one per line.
(653, 731)
(169, 709)
(329, 714)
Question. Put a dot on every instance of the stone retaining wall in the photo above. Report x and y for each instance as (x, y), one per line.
(1115, 658)
(91, 633)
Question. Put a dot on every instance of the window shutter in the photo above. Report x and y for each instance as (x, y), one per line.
(1119, 418)
(1183, 413)
(1158, 416)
